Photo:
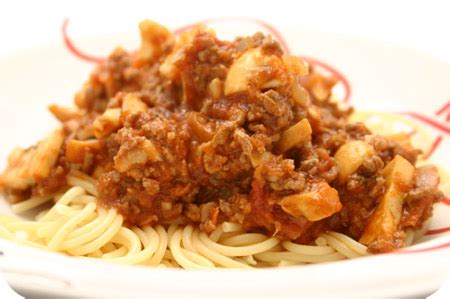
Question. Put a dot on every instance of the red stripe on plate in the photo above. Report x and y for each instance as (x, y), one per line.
(433, 148)
(90, 58)
(74, 50)
(437, 231)
(428, 249)
(446, 201)
(428, 121)
(443, 108)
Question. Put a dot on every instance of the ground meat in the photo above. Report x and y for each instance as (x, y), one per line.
(203, 131)
(205, 59)
(317, 162)
(268, 216)
(420, 200)
(388, 148)
(357, 130)
(360, 196)
(150, 167)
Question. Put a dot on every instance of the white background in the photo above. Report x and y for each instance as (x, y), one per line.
(421, 25)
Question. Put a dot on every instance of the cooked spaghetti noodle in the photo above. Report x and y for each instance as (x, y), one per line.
(75, 225)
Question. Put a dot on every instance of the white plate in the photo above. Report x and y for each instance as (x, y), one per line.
(380, 77)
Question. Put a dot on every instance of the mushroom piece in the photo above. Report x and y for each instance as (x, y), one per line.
(107, 123)
(399, 176)
(17, 174)
(132, 104)
(350, 156)
(46, 155)
(138, 155)
(25, 167)
(64, 113)
(321, 202)
(295, 135)
(246, 67)
(295, 65)
(76, 150)
(155, 39)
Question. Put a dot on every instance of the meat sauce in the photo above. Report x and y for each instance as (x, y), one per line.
(198, 130)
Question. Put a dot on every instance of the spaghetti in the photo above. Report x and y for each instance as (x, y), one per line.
(75, 225)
